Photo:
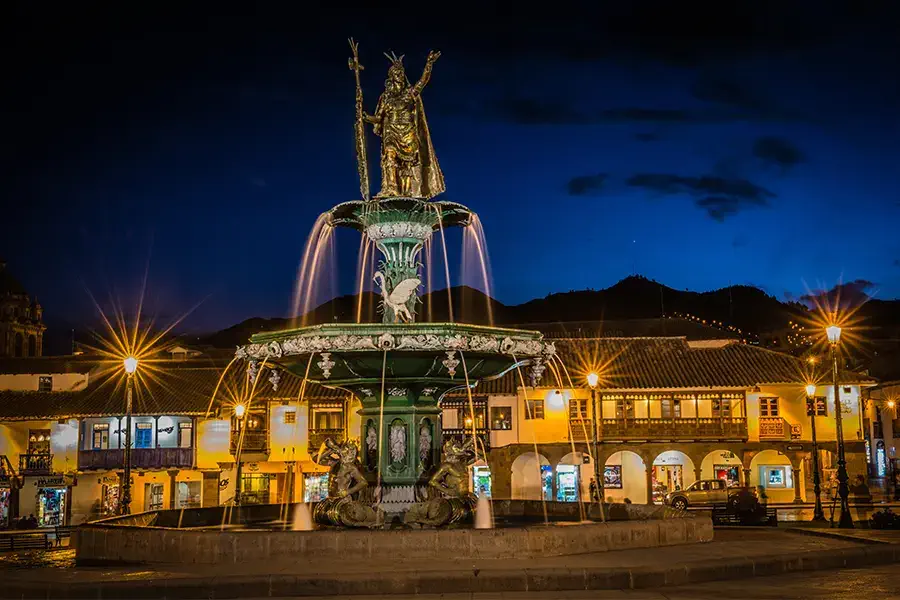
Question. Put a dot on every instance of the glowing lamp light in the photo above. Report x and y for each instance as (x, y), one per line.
(811, 390)
(556, 399)
(592, 379)
(239, 411)
(834, 334)
(891, 404)
(131, 364)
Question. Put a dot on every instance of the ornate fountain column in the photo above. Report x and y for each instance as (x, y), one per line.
(399, 228)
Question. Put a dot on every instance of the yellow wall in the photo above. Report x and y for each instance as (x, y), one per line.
(792, 408)
(213, 443)
(63, 442)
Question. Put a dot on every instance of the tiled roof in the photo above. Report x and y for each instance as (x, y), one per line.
(46, 365)
(665, 363)
(174, 391)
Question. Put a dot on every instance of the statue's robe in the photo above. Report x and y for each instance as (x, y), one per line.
(410, 140)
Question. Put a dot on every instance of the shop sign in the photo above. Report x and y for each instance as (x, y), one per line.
(796, 431)
(224, 483)
(110, 480)
(727, 455)
(53, 481)
(253, 467)
(795, 447)
(586, 459)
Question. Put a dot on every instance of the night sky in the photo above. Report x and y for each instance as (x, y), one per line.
(698, 144)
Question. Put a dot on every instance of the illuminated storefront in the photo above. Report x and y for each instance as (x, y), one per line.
(481, 480)
(315, 487)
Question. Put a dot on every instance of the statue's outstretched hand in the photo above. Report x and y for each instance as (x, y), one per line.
(434, 55)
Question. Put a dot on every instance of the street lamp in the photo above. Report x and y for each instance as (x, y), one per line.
(846, 521)
(131, 364)
(592, 380)
(239, 411)
(818, 513)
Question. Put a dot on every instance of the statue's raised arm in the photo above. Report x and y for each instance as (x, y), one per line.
(426, 73)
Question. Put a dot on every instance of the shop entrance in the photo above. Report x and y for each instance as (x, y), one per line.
(315, 487)
(51, 507)
(567, 483)
(5, 494)
(109, 500)
(481, 480)
(672, 470)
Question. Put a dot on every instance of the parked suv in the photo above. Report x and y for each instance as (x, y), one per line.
(708, 492)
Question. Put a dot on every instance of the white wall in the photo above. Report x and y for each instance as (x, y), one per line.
(62, 382)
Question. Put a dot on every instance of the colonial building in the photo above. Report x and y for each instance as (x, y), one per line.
(21, 318)
(668, 411)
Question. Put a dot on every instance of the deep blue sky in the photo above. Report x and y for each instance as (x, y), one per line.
(699, 144)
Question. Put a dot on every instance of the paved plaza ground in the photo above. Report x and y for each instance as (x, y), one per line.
(760, 554)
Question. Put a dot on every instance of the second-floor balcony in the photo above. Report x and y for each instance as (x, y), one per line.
(141, 458)
(36, 464)
(254, 441)
(317, 437)
(460, 435)
(703, 428)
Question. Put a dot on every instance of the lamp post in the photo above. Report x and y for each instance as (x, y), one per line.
(239, 411)
(818, 513)
(592, 380)
(131, 365)
(846, 521)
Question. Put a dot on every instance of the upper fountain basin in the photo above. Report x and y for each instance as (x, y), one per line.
(361, 214)
(427, 355)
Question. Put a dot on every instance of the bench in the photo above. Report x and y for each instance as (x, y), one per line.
(62, 532)
(24, 541)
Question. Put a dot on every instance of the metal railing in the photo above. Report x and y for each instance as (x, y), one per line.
(674, 428)
(36, 464)
(317, 437)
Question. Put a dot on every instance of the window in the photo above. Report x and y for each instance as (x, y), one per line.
(624, 408)
(670, 407)
(38, 441)
(185, 434)
(501, 418)
(578, 408)
(821, 406)
(768, 407)
(534, 409)
(100, 439)
(290, 417)
(45, 383)
(721, 408)
(464, 417)
(153, 496)
(776, 477)
(324, 418)
(143, 435)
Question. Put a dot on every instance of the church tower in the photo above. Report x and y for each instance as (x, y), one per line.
(21, 319)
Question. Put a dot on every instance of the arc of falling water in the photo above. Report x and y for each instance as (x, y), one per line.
(312, 241)
(581, 511)
(446, 263)
(537, 456)
(595, 424)
(216, 389)
(462, 357)
(300, 395)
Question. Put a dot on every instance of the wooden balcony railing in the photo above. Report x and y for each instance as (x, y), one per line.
(713, 428)
(317, 437)
(460, 435)
(774, 428)
(7, 473)
(580, 430)
(141, 458)
(35, 464)
(255, 442)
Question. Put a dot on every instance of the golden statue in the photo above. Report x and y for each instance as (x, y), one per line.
(346, 480)
(409, 167)
(452, 502)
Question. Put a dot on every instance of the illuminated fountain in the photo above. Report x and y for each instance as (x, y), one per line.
(399, 368)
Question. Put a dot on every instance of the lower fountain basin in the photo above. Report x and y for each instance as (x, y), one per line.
(136, 539)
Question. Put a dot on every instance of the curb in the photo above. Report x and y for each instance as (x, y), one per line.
(832, 534)
(419, 582)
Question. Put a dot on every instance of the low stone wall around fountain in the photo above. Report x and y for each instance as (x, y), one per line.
(126, 540)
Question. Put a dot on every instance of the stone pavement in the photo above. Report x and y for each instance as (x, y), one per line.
(735, 553)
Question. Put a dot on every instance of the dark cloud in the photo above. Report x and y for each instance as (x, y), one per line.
(843, 295)
(586, 185)
(720, 197)
(528, 111)
(723, 91)
(777, 152)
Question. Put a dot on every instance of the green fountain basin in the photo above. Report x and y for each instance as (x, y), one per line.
(424, 360)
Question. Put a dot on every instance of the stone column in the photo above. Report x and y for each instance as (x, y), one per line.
(698, 472)
(746, 473)
(649, 471)
(173, 486)
(209, 495)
